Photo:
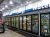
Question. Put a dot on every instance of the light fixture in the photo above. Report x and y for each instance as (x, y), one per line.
(27, 2)
(2, 9)
(6, 6)
(21, 4)
(11, 2)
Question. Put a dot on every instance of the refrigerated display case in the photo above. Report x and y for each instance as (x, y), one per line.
(35, 24)
(45, 24)
(24, 22)
(12, 21)
(20, 22)
(16, 22)
(6, 21)
(28, 23)
(9, 21)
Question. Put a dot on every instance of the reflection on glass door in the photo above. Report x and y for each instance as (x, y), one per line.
(35, 24)
(20, 22)
(24, 22)
(28, 23)
(44, 24)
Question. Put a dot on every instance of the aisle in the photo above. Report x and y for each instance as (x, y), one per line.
(10, 33)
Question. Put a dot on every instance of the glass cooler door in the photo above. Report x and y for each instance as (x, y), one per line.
(24, 22)
(12, 22)
(16, 22)
(28, 23)
(44, 24)
(35, 24)
(20, 22)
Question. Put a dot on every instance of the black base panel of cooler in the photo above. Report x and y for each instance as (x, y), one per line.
(12, 28)
(45, 36)
(2, 32)
(27, 34)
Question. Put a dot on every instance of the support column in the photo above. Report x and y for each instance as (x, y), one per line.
(39, 24)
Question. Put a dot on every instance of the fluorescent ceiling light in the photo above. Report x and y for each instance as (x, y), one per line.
(6, 6)
(11, 2)
(27, 2)
(2, 9)
(21, 4)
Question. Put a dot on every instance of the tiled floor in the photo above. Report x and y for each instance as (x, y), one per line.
(10, 33)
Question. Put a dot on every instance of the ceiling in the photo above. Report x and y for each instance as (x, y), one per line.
(10, 4)
(1, 1)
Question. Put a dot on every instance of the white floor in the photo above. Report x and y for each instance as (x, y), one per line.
(10, 33)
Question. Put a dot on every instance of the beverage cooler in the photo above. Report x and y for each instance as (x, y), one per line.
(20, 25)
(35, 24)
(28, 23)
(24, 23)
(1, 28)
(12, 22)
(45, 26)
(9, 21)
(16, 22)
